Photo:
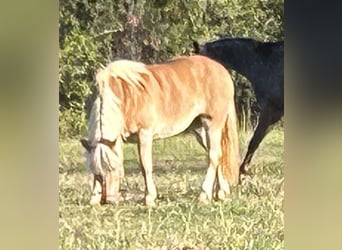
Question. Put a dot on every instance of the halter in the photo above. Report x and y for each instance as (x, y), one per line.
(106, 142)
(102, 180)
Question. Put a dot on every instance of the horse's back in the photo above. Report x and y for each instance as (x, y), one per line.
(194, 77)
(196, 72)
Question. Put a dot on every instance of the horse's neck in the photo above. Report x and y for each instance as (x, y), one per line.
(245, 61)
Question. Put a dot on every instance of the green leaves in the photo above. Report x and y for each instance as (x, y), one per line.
(77, 64)
(95, 32)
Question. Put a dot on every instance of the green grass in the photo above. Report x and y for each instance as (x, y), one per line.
(251, 218)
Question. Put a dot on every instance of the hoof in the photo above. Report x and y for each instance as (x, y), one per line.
(95, 200)
(149, 201)
(203, 198)
(150, 204)
(244, 171)
(222, 195)
(114, 199)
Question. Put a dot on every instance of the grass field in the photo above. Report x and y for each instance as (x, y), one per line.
(251, 218)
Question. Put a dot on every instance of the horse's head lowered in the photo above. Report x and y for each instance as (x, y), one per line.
(106, 127)
(104, 143)
(105, 161)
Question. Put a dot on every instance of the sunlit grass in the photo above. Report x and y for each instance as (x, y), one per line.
(252, 217)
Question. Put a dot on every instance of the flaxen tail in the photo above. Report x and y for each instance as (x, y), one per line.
(230, 159)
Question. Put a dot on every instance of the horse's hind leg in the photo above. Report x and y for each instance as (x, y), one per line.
(214, 156)
(145, 153)
(199, 128)
(268, 116)
(201, 135)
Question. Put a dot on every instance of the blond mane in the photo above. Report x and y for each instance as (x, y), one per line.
(130, 72)
(106, 115)
(108, 107)
(106, 118)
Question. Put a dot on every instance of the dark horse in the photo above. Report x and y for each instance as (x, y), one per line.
(262, 63)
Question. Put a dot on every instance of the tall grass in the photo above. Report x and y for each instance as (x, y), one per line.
(251, 218)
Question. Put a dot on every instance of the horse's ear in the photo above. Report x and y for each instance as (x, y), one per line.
(196, 47)
(85, 144)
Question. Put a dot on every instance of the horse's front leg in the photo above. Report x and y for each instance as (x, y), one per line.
(145, 153)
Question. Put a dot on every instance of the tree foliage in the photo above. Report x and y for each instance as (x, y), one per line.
(95, 32)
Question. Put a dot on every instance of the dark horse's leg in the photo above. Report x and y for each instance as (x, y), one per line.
(268, 116)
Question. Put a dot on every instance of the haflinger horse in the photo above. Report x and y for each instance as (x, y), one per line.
(139, 103)
(262, 63)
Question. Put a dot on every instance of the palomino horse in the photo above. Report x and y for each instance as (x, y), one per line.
(263, 65)
(139, 103)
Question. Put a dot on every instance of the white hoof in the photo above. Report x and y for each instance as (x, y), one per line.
(222, 195)
(203, 198)
(149, 201)
(95, 200)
